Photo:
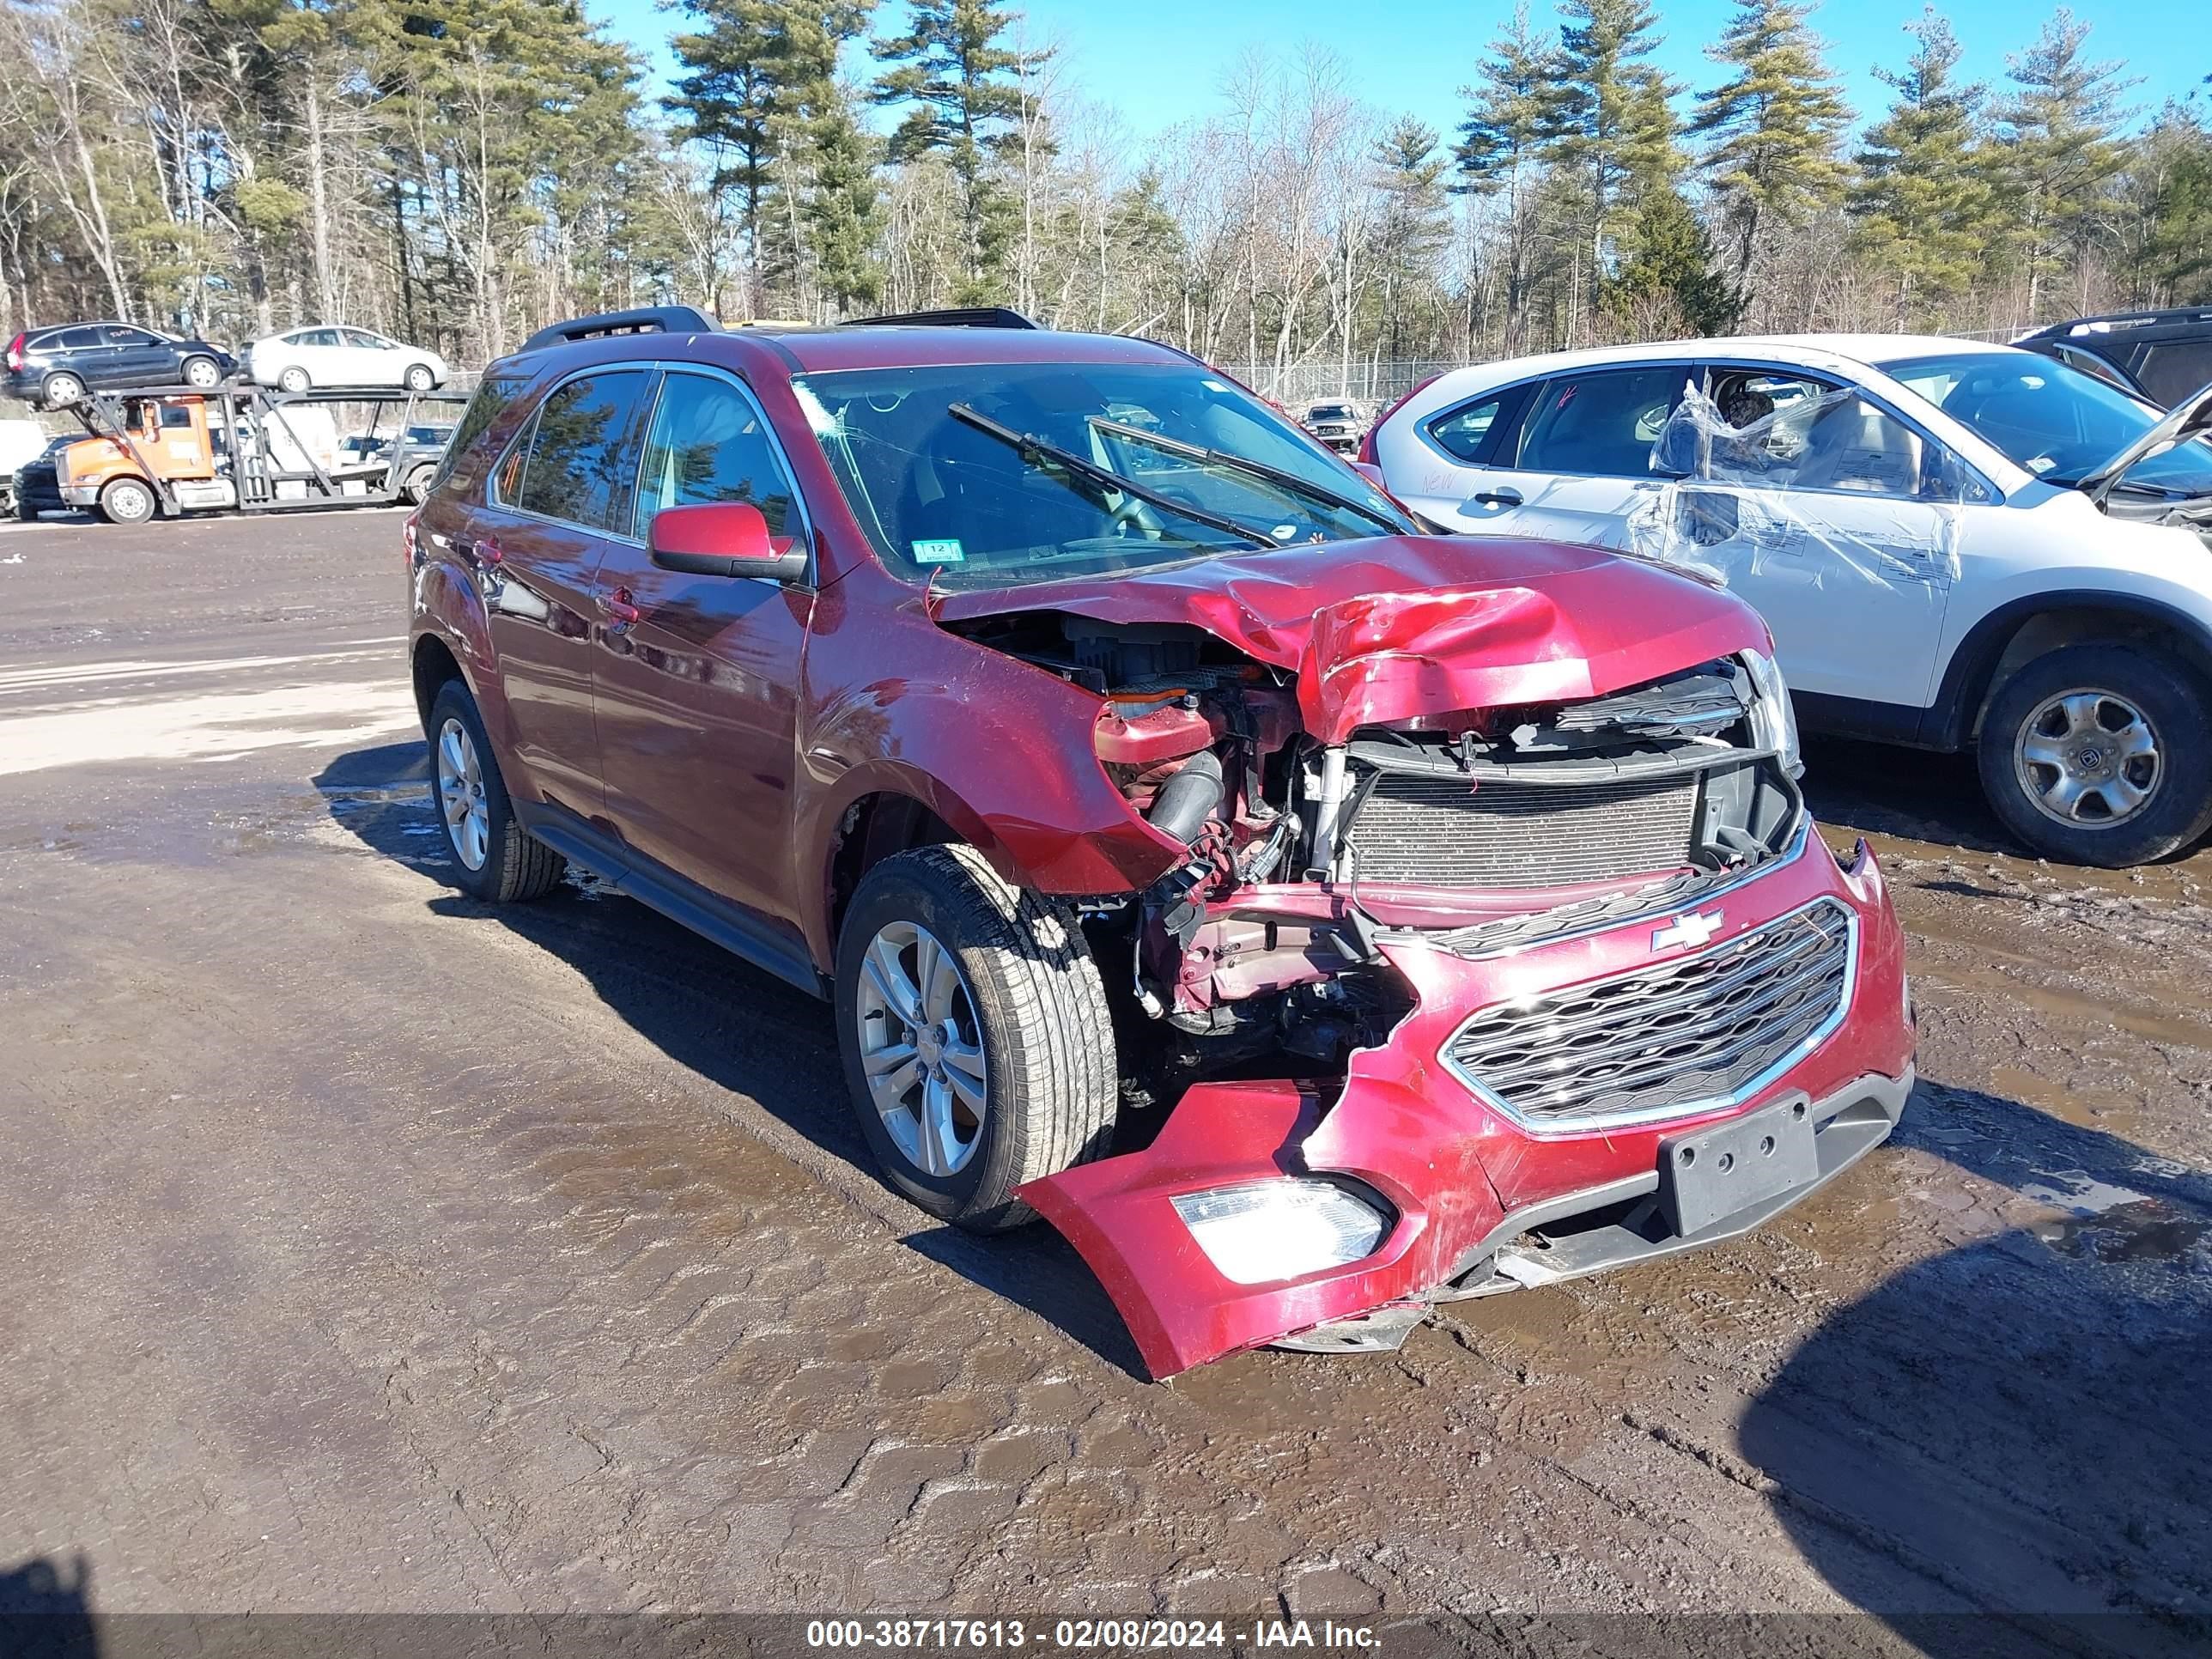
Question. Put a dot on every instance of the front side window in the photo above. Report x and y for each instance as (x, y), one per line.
(130, 336)
(924, 457)
(1784, 431)
(581, 453)
(77, 339)
(2172, 369)
(355, 337)
(1603, 424)
(709, 444)
(2055, 422)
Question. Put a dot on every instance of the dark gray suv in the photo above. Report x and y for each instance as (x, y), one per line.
(57, 367)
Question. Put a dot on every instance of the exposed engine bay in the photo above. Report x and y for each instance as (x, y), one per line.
(1476, 831)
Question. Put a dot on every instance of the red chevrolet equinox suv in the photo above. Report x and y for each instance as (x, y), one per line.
(1314, 918)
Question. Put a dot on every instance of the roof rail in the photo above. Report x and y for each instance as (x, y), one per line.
(2106, 321)
(956, 317)
(646, 319)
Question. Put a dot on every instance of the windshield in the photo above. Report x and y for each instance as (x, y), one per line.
(2057, 421)
(937, 495)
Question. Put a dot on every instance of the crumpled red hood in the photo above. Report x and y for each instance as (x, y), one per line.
(1399, 626)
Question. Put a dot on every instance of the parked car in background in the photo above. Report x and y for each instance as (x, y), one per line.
(1426, 918)
(326, 355)
(1338, 425)
(412, 459)
(1956, 544)
(35, 486)
(2162, 356)
(54, 367)
(21, 442)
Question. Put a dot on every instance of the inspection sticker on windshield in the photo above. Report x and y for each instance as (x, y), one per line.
(937, 552)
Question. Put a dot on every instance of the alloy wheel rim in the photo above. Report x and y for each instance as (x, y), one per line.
(202, 373)
(461, 795)
(921, 1049)
(2087, 758)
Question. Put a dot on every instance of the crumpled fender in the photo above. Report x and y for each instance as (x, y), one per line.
(1397, 626)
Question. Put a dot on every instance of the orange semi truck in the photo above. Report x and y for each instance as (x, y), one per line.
(232, 448)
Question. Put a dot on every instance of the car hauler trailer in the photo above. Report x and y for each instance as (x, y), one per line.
(243, 447)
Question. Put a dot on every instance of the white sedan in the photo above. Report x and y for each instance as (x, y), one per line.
(1956, 545)
(332, 356)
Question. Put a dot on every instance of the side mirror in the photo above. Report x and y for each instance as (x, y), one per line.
(1371, 472)
(723, 538)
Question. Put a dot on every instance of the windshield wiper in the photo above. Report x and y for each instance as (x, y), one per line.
(1034, 449)
(1274, 474)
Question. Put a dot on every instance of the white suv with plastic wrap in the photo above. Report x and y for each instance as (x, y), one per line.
(1953, 544)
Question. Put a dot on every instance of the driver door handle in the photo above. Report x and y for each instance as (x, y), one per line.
(1499, 497)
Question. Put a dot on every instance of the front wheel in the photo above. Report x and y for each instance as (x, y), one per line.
(127, 500)
(292, 379)
(978, 1045)
(500, 861)
(419, 378)
(202, 372)
(2101, 754)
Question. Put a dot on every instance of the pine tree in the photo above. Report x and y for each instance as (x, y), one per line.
(1513, 121)
(1924, 201)
(1616, 124)
(729, 98)
(1410, 230)
(951, 69)
(1669, 277)
(841, 212)
(1773, 126)
(2055, 134)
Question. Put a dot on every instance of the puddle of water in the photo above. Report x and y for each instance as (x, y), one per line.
(2144, 1231)
(2065, 1004)
(2087, 1108)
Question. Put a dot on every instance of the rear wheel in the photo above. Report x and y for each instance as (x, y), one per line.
(293, 379)
(418, 483)
(202, 372)
(128, 501)
(63, 388)
(978, 1044)
(2101, 754)
(419, 378)
(499, 862)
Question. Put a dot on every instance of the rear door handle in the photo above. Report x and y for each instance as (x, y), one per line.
(481, 553)
(1498, 498)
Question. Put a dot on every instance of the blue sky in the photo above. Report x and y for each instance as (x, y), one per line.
(1162, 61)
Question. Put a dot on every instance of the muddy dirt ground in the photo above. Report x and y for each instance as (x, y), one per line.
(367, 1249)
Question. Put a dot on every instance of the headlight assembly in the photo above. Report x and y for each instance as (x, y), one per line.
(1773, 721)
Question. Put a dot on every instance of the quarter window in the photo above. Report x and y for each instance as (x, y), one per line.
(1602, 424)
(709, 444)
(1462, 432)
(582, 453)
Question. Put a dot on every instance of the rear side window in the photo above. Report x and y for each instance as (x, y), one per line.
(1602, 424)
(583, 453)
(2173, 369)
(709, 444)
(492, 395)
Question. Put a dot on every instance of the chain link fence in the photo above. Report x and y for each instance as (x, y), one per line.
(1371, 384)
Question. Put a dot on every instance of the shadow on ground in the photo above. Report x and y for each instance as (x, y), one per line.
(45, 1610)
(736, 1027)
(2022, 1421)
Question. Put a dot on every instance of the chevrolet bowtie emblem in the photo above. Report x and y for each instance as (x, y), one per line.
(1691, 930)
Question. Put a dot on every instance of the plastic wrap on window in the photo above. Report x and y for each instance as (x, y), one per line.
(1833, 488)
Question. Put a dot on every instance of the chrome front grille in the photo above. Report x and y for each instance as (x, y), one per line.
(1699, 1031)
(1452, 831)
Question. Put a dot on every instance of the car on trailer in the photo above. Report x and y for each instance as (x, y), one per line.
(55, 368)
(1315, 919)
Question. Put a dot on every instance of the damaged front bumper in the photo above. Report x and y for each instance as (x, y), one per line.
(1492, 1189)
